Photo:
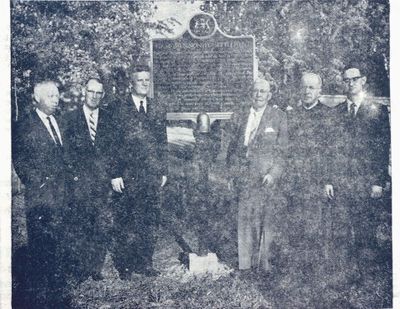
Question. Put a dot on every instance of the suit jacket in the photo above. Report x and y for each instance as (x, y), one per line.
(360, 152)
(88, 162)
(266, 154)
(38, 161)
(309, 137)
(140, 146)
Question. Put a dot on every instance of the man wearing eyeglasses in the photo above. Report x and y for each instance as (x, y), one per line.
(88, 137)
(358, 170)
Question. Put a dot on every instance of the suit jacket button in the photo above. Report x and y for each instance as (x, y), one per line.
(76, 178)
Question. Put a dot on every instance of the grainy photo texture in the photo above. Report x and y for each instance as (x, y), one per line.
(201, 154)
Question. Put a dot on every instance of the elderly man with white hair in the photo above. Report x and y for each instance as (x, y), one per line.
(310, 123)
(37, 151)
(256, 156)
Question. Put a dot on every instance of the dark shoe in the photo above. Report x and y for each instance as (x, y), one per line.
(148, 272)
(184, 259)
(97, 276)
(125, 275)
(245, 273)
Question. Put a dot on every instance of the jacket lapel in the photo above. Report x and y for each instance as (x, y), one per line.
(42, 128)
(83, 127)
(265, 119)
(243, 125)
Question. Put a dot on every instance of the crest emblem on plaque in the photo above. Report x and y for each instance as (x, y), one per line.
(202, 25)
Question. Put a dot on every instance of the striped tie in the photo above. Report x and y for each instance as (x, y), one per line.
(92, 127)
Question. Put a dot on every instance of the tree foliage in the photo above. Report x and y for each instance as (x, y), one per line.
(71, 41)
(317, 35)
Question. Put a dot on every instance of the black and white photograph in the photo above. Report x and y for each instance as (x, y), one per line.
(200, 154)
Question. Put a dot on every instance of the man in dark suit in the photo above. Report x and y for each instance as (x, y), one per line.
(38, 160)
(359, 168)
(138, 174)
(309, 122)
(88, 136)
(257, 155)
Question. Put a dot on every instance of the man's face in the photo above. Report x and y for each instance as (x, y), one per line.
(94, 92)
(261, 94)
(354, 81)
(310, 89)
(47, 98)
(141, 83)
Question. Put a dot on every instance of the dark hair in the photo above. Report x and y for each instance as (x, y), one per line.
(139, 68)
(353, 66)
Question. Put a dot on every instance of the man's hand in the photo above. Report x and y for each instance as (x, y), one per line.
(376, 191)
(329, 191)
(268, 180)
(117, 184)
(163, 180)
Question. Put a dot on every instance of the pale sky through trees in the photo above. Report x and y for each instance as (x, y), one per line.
(179, 11)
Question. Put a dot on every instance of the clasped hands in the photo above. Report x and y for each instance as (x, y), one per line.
(376, 191)
(118, 183)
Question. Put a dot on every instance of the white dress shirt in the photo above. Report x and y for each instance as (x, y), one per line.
(136, 99)
(87, 111)
(252, 124)
(349, 102)
(311, 106)
(43, 117)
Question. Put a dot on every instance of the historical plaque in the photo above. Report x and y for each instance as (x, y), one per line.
(203, 70)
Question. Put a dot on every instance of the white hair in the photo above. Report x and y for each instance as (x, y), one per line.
(39, 87)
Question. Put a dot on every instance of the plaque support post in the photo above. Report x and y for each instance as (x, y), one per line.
(194, 116)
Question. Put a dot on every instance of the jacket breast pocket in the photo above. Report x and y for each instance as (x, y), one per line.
(268, 138)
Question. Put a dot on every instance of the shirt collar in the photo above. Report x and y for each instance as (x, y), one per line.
(43, 115)
(309, 107)
(259, 112)
(136, 99)
(349, 102)
(88, 111)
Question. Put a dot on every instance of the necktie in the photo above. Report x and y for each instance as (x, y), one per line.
(53, 131)
(92, 127)
(353, 110)
(141, 108)
(253, 130)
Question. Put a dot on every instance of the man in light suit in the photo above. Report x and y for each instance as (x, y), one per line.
(257, 155)
(38, 158)
(139, 172)
(88, 136)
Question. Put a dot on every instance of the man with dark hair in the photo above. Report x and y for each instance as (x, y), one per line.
(257, 156)
(359, 172)
(88, 136)
(38, 150)
(139, 171)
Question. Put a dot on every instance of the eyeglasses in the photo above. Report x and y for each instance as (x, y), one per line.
(99, 93)
(352, 79)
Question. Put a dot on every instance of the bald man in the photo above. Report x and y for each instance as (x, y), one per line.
(256, 156)
(309, 124)
(38, 157)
